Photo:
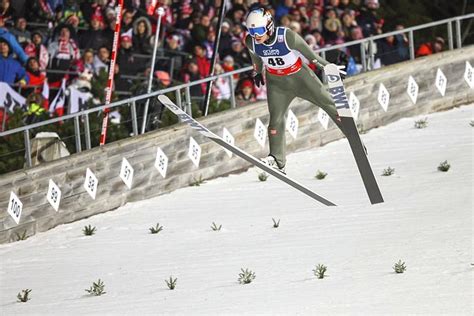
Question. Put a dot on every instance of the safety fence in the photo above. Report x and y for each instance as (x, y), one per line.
(82, 133)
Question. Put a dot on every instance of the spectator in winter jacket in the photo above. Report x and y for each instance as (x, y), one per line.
(34, 72)
(7, 12)
(22, 35)
(102, 60)
(11, 70)
(199, 31)
(430, 48)
(245, 94)
(64, 54)
(203, 63)
(125, 58)
(142, 36)
(226, 39)
(368, 17)
(12, 42)
(36, 49)
(93, 37)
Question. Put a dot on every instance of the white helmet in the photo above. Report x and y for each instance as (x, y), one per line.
(260, 21)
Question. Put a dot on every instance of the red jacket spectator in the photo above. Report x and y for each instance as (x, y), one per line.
(427, 49)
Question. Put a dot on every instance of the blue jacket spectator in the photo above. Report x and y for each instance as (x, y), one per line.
(11, 70)
(10, 38)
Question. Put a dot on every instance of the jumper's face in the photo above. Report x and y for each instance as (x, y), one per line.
(261, 39)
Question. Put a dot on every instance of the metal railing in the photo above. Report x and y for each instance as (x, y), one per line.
(368, 58)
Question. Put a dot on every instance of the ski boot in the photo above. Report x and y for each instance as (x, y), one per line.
(272, 163)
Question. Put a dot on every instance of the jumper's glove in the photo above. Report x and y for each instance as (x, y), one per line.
(258, 80)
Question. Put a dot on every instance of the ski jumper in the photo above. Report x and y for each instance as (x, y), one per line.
(287, 77)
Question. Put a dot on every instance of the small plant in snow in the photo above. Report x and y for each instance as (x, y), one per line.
(421, 123)
(388, 172)
(216, 228)
(89, 230)
(197, 181)
(321, 175)
(275, 223)
(23, 296)
(246, 276)
(471, 123)
(97, 288)
(171, 283)
(156, 229)
(320, 270)
(263, 176)
(22, 236)
(444, 166)
(399, 267)
(360, 128)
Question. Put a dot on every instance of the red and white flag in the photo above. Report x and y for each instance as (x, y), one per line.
(57, 106)
(45, 94)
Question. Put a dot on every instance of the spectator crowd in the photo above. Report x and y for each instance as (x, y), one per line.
(48, 42)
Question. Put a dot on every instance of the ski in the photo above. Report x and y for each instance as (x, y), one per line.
(338, 94)
(185, 118)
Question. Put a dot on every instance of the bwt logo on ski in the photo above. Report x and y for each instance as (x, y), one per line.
(339, 96)
(188, 120)
(271, 52)
(332, 78)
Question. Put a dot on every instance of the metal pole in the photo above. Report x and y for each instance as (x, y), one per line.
(371, 55)
(232, 92)
(363, 57)
(133, 109)
(458, 33)
(323, 54)
(411, 44)
(207, 98)
(87, 131)
(161, 12)
(450, 36)
(27, 147)
(178, 98)
(77, 132)
(187, 95)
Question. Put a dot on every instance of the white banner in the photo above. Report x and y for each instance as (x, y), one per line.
(383, 97)
(10, 99)
(469, 75)
(59, 99)
(323, 118)
(90, 183)
(441, 82)
(354, 104)
(14, 207)
(227, 136)
(260, 132)
(126, 173)
(161, 162)
(194, 152)
(412, 89)
(54, 195)
(292, 124)
(78, 100)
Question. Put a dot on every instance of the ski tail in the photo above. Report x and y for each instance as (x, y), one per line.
(339, 96)
(185, 118)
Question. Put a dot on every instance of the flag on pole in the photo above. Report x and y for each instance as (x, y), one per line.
(57, 106)
(45, 94)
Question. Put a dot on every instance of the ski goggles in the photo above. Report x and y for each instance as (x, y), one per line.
(260, 31)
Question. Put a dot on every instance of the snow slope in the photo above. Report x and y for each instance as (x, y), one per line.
(426, 221)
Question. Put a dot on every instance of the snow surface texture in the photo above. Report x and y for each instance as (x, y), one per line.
(425, 221)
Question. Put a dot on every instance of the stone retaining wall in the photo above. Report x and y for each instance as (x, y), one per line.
(31, 184)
